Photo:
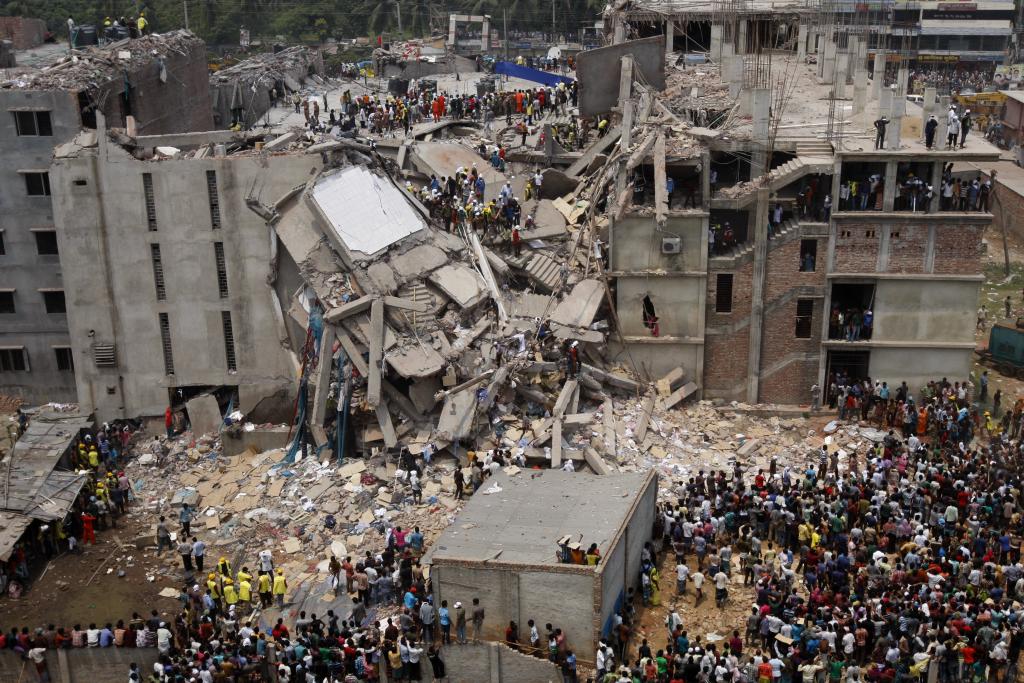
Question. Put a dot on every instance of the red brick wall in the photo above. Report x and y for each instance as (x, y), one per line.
(24, 32)
(908, 246)
(725, 355)
(856, 249)
(958, 249)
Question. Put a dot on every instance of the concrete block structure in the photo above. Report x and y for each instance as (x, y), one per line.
(24, 32)
(160, 83)
(166, 293)
(503, 550)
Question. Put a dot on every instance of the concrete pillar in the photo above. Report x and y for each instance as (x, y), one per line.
(860, 89)
(895, 128)
(862, 52)
(485, 35)
(927, 107)
(851, 50)
(451, 30)
(619, 35)
(943, 116)
(829, 67)
(889, 189)
(741, 37)
(819, 49)
(733, 74)
(670, 34)
(878, 77)
(903, 82)
(757, 296)
(716, 43)
(760, 105)
(801, 42)
(728, 50)
(842, 67)
(936, 182)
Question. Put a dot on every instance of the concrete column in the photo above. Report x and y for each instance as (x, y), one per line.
(716, 43)
(670, 34)
(862, 52)
(903, 82)
(878, 77)
(852, 43)
(927, 107)
(741, 37)
(889, 190)
(760, 105)
(451, 30)
(860, 89)
(943, 117)
(936, 184)
(801, 42)
(829, 67)
(728, 49)
(821, 50)
(733, 74)
(619, 36)
(485, 35)
(757, 296)
(895, 128)
(842, 67)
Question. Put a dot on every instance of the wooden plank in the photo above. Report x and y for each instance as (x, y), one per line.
(323, 375)
(568, 389)
(376, 352)
(354, 353)
(678, 395)
(405, 304)
(387, 428)
(644, 420)
(351, 308)
(556, 444)
(608, 417)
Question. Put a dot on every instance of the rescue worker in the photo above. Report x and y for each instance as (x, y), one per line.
(280, 587)
(263, 587)
(230, 594)
(142, 24)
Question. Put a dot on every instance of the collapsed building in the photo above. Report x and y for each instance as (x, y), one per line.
(242, 93)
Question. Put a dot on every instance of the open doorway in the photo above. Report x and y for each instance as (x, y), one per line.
(843, 367)
(852, 315)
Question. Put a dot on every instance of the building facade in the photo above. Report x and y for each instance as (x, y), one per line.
(163, 88)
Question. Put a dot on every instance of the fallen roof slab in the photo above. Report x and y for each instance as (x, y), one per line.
(580, 306)
(461, 283)
(416, 361)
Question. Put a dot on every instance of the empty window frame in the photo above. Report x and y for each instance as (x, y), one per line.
(804, 318)
(3, 248)
(7, 301)
(808, 255)
(165, 339)
(13, 359)
(33, 123)
(65, 359)
(150, 198)
(37, 184)
(158, 272)
(229, 341)
(222, 269)
(53, 300)
(723, 293)
(214, 196)
(46, 242)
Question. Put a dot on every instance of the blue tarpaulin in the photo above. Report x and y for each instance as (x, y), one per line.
(527, 74)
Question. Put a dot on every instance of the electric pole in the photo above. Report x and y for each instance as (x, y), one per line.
(504, 24)
(184, 4)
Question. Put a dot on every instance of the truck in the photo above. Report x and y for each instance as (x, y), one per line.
(1005, 352)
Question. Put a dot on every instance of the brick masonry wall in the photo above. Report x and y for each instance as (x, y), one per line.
(908, 247)
(725, 352)
(857, 246)
(24, 32)
(958, 249)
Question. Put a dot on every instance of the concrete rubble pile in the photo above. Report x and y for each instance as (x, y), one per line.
(289, 66)
(91, 67)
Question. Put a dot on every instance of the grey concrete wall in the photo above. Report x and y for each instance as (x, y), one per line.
(562, 599)
(636, 244)
(613, 584)
(22, 268)
(658, 358)
(598, 71)
(80, 665)
(490, 663)
(925, 310)
(678, 303)
(917, 367)
(111, 282)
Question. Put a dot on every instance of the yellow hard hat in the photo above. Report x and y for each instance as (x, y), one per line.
(228, 582)
(280, 571)
(211, 576)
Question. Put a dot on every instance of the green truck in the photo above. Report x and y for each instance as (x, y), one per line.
(1005, 350)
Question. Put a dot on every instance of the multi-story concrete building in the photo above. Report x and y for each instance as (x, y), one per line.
(159, 84)
(175, 285)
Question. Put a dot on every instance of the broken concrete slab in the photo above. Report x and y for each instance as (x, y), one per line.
(204, 414)
(461, 283)
(376, 344)
(456, 419)
(382, 278)
(580, 306)
(415, 361)
(671, 381)
(564, 398)
(681, 393)
(418, 260)
(548, 221)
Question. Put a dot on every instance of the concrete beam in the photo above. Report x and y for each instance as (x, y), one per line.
(568, 389)
(660, 181)
(678, 395)
(387, 428)
(644, 421)
(608, 417)
(556, 443)
(323, 375)
(353, 352)
(611, 380)
(376, 342)
(351, 308)
(595, 461)
(405, 304)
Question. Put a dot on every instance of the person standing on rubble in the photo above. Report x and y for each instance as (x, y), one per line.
(264, 588)
(572, 358)
(280, 588)
(169, 422)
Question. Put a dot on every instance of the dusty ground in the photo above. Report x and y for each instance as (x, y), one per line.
(993, 293)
